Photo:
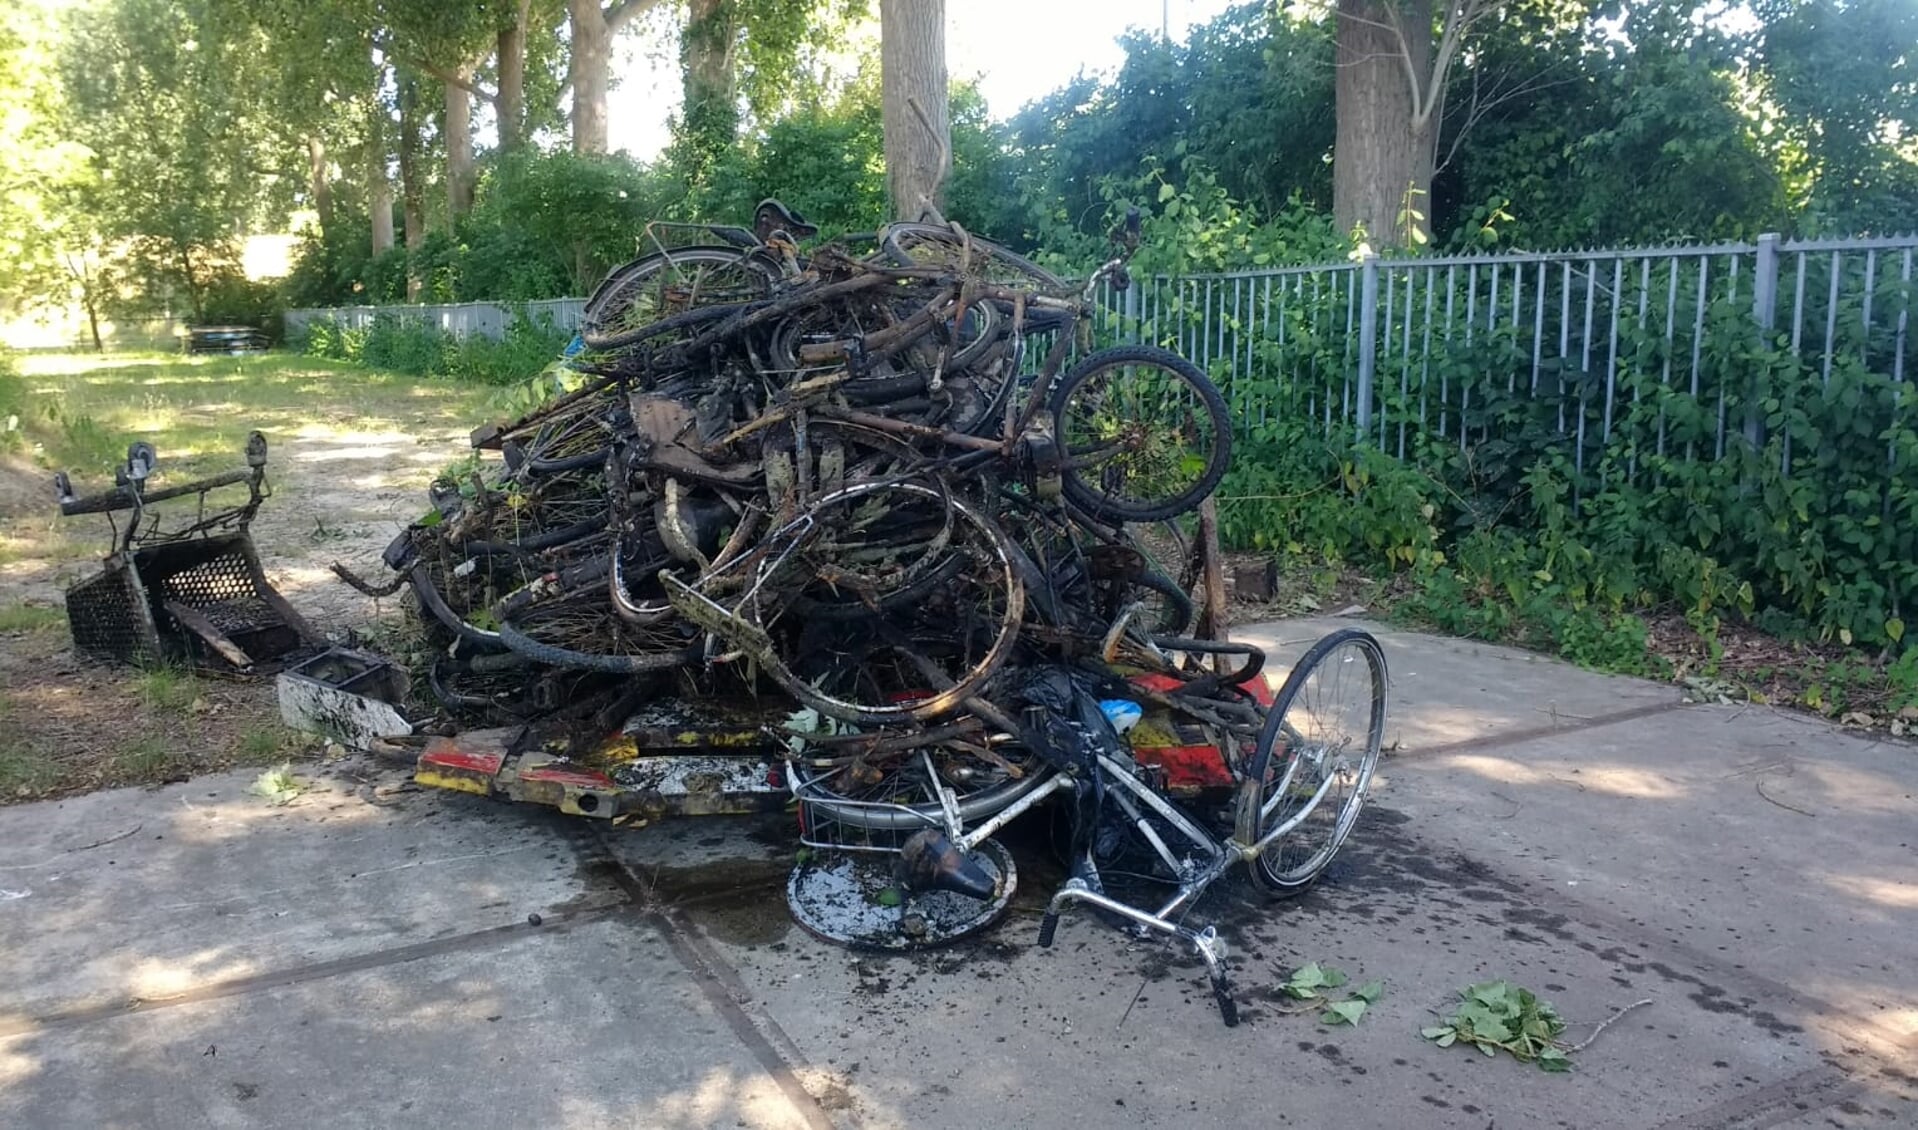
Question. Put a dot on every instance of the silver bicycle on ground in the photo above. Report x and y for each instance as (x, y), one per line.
(1142, 850)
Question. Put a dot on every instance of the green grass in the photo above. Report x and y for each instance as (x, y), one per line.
(79, 412)
(167, 689)
(263, 743)
(23, 769)
(31, 618)
(146, 759)
(82, 411)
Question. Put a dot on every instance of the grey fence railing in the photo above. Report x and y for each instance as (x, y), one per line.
(461, 319)
(1388, 350)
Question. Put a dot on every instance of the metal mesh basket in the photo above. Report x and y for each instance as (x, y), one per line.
(121, 615)
(831, 823)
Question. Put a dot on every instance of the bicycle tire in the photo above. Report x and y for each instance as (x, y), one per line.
(553, 655)
(912, 817)
(1088, 495)
(942, 701)
(618, 292)
(1252, 819)
(428, 594)
(899, 240)
(621, 278)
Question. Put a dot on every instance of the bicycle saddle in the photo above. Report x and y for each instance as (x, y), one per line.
(772, 216)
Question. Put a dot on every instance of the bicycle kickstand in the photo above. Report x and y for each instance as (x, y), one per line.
(1207, 943)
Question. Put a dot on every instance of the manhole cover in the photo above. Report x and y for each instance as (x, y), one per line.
(853, 900)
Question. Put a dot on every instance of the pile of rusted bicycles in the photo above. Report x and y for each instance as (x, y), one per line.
(887, 491)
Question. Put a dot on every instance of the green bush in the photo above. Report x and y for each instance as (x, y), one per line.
(1519, 533)
(13, 405)
(411, 346)
(237, 301)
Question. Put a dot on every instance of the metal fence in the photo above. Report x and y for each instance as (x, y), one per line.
(1598, 341)
(1613, 349)
(460, 319)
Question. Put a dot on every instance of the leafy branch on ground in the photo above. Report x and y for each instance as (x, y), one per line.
(1494, 1015)
(1498, 1014)
(280, 786)
(1309, 983)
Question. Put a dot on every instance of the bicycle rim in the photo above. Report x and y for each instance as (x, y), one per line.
(1321, 740)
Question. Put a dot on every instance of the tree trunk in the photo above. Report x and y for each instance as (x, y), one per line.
(1382, 154)
(379, 186)
(89, 297)
(592, 51)
(319, 183)
(511, 103)
(412, 182)
(710, 119)
(912, 68)
(194, 293)
(459, 148)
(93, 321)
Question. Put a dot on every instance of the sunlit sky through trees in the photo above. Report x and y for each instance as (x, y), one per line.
(1016, 50)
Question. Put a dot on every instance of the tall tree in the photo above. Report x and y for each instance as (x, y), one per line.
(1846, 74)
(593, 26)
(33, 161)
(412, 176)
(324, 71)
(457, 134)
(165, 96)
(1394, 57)
(709, 119)
(446, 43)
(509, 107)
(913, 104)
(374, 154)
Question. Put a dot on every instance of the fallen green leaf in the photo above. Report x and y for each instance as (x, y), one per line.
(279, 786)
(1345, 1011)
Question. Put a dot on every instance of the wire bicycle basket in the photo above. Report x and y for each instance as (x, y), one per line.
(181, 590)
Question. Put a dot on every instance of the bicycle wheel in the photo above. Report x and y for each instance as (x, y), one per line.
(925, 245)
(872, 539)
(654, 287)
(1146, 435)
(970, 337)
(895, 793)
(579, 628)
(1315, 759)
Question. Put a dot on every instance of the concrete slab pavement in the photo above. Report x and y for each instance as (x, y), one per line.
(542, 1029)
(1588, 837)
(1447, 692)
